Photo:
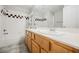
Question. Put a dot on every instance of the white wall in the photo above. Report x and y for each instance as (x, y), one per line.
(58, 18)
(15, 27)
(71, 16)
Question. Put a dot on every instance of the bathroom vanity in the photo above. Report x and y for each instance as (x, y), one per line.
(51, 42)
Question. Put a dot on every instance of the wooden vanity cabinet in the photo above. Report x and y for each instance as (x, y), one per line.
(40, 44)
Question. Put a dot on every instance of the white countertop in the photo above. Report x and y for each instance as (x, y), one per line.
(68, 38)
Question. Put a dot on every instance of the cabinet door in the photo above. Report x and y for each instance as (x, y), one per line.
(35, 47)
(29, 44)
(42, 41)
(58, 49)
(43, 51)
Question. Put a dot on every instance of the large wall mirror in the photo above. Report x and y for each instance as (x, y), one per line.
(55, 16)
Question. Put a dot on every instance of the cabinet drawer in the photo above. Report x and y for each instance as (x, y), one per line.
(56, 48)
(43, 42)
(35, 47)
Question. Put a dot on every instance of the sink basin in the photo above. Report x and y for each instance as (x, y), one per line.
(54, 33)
